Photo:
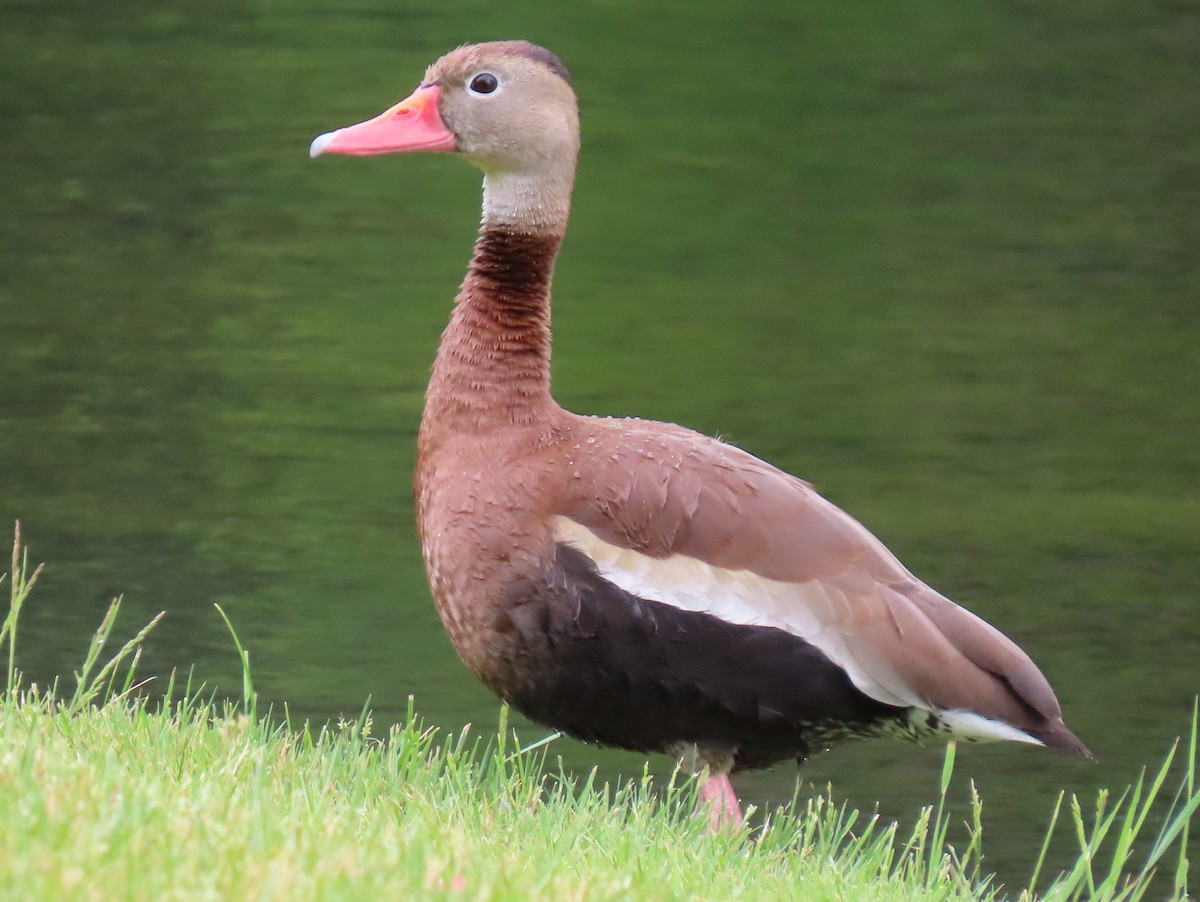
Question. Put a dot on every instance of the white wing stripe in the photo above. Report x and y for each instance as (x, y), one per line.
(813, 611)
(810, 610)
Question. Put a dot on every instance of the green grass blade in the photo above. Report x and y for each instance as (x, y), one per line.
(249, 697)
(1181, 867)
(20, 585)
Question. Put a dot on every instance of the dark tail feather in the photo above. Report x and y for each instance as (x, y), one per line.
(1056, 736)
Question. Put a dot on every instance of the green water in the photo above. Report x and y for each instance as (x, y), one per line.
(940, 259)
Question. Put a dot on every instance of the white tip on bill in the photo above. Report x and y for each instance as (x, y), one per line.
(320, 142)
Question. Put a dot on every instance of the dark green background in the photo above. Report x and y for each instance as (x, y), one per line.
(940, 258)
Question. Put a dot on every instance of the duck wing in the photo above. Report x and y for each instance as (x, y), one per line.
(674, 516)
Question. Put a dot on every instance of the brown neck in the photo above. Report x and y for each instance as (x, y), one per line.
(493, 364)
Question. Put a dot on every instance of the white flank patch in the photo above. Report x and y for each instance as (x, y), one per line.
(970, 725)
(810, 610)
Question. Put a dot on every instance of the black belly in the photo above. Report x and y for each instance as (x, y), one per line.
(600, 664)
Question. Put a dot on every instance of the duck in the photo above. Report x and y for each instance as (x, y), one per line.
(638, 584)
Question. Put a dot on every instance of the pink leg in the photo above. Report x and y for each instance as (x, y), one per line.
(717, 795)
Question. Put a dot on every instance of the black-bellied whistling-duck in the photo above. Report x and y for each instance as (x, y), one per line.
(636, 583)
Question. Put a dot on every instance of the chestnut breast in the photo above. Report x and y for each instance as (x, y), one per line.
(485, 503)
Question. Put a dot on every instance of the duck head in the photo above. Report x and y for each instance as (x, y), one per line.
(507, 106)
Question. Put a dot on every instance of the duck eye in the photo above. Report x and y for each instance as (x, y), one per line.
(484, 83)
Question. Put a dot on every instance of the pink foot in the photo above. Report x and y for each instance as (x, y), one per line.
(717, 795)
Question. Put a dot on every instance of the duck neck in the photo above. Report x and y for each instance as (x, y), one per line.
(493, 365)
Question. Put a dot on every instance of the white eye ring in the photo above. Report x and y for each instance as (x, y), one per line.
(483, 84)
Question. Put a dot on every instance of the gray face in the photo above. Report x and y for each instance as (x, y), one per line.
(510, 106)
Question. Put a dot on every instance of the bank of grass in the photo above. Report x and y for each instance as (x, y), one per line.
(112, 790)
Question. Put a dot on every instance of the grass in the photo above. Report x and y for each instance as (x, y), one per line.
(114, 790)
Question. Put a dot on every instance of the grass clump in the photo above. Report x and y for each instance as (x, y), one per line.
(113, 792)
